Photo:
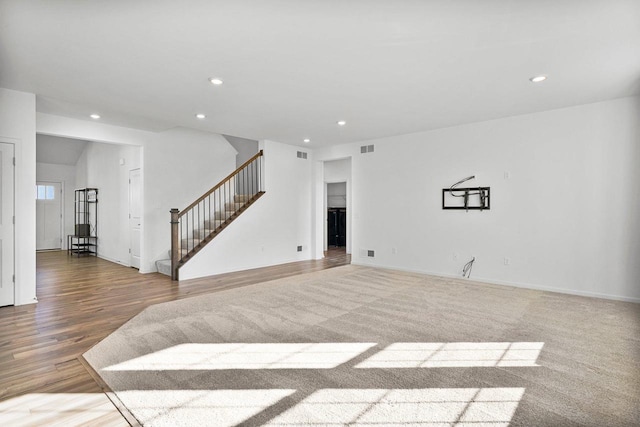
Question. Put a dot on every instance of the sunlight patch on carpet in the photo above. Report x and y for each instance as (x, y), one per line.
(245, 356)
(329, 355)
(199, 407)
(455, 354)
(428, 407)
(425, 407)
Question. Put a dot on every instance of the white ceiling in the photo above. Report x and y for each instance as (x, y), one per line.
(292, 68)
(59, 151)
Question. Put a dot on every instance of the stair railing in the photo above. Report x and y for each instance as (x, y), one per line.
(197, 224)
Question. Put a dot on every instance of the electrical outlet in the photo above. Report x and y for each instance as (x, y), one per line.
(507, 261)
(394, 250)
(507, 175)
(455, 256)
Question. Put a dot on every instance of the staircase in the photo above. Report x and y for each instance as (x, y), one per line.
(199, 223)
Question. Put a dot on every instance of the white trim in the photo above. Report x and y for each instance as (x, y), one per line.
(115, 261)
(14, 143)
(482, 280)
(139, 170)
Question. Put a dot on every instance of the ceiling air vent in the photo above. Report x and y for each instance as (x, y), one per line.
(302, 155)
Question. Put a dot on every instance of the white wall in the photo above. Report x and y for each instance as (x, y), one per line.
(18, 126)
(67, 176)
(337, 170)
(99, 167)
(177, 166)
(568, 216)
(337, 195)
(269, 232)
(246, 148)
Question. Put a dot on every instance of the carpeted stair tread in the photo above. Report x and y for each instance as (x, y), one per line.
(223, 215)
(190, 243)
(164, 266)
(212, 224)
(233, 206)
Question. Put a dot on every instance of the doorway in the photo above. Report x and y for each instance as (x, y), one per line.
(333, 191)
(48, 215)
(135, 217)
(337, 227)
(7, 233)
(336, 215)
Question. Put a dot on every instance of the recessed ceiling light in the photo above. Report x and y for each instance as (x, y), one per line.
(201, 116)
(95, 116)
(307, 140)
(342, 123)
(215, 81)
(538, 79)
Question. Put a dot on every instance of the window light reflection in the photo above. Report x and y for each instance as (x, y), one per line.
(199, 407)
(429, 407)
(453, 355)
(246, 356)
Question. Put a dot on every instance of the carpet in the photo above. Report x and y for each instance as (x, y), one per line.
(358, 346)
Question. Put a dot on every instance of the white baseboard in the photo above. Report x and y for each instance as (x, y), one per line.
(31, 301)
(115, 261)
(481, 280)
(249, 267)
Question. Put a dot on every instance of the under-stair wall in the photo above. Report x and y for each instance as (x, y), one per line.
(188, 164)
(270, 231)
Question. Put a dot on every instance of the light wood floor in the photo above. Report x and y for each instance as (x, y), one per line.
(81, 301)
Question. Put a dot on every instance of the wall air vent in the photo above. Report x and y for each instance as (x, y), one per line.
(302, 155)
(299, 248)
(366, 149)
(370, 253)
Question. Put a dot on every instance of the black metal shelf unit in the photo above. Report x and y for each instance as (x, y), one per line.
(84, 241)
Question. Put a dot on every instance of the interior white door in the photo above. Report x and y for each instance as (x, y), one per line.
(135, 215)
(48, 215)
(6, 225)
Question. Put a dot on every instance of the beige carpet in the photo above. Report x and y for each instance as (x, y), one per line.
(359, 346)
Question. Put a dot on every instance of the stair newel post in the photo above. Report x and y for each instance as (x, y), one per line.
(175, 239)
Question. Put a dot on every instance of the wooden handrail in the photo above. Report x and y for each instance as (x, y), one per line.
(220, 184)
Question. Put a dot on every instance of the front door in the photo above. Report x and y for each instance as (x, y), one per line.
(48, 215)
(6, 225)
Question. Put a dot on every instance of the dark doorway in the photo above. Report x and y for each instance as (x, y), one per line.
(337, 227)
